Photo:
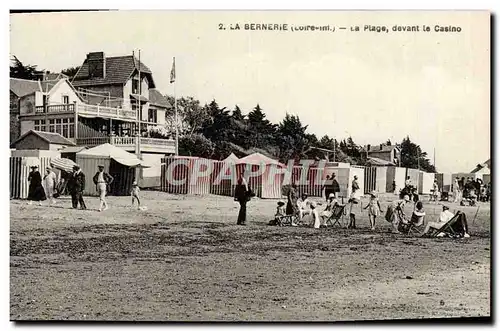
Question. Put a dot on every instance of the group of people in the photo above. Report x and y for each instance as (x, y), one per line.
(74, 183)
(468, 191)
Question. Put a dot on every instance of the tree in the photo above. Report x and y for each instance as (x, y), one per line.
(261, 131)
(191, 115)
(71, 71)
(413, 157)
(237, 115)
(19, 70)
(196, 145)
(388, 142)
(293, 141)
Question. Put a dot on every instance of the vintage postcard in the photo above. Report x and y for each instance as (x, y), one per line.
(250, 166)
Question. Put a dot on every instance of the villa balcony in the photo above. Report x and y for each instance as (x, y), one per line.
(89, 110)
(147, 145)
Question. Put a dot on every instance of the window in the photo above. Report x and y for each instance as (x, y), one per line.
(65, 99)
(135, 86)
(152, 115)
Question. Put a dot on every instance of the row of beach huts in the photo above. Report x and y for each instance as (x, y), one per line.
(193, 175)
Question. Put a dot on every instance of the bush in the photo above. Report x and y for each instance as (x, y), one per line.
(196, 145)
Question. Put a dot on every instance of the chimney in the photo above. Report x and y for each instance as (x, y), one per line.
(97, 65)
(381, 146)
(368, 147)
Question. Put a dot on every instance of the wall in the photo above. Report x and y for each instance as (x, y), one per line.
(486, 178)
(151, 176)
(15, 127)
(32, 141)
(396, 174)
(444, 182)
(34, 153)
(26, 126)
(18, 174)
(381, 180)
(414, 177)
(62, 88)
(88, 166)
(426, 180)
(360, 172)
(27, 104)
(160, 116)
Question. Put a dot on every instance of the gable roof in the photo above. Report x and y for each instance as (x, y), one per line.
(118, 71)
(485, 164)
(47, 85)
(50, 137)
(23, 87)
(257, 159)
(231, 158)
(156, 98)
(379, 162)
(55, 76)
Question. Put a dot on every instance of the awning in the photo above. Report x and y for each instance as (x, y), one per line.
(62, 164)
(139, 97)
(132, 162)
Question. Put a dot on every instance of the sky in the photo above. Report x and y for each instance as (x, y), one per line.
(432, 86)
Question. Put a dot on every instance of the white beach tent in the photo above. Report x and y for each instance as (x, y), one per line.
(116, 153)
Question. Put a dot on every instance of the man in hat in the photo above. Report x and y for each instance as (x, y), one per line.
(303, 205)
(102, 180)
(76, 185)
(353, 200)
(444, 217)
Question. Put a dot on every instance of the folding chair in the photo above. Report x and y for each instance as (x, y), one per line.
(337, 216)
(286, 220)
(414, 228)
(448, 227)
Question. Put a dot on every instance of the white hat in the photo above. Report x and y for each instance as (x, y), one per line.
(406, 198)
(331, 195)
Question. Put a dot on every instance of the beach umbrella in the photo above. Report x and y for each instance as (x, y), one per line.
(62, 164)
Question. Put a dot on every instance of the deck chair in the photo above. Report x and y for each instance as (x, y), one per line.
(414, 228)
(453, 227)
(337, 216)
(286, 220)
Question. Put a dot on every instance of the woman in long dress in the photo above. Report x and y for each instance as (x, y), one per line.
(293, 196)
(242, 195)
(36, 191)
(50, 182)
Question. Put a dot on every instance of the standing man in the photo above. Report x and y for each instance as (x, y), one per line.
(328, 187)
(76, 184)
(50, 182)
(102, 180)
(335, 186)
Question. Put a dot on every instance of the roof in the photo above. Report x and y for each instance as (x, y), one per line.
(231, 158)
(257, 159)
(116, 153)
(379, 162)
(50, 137)
(55, 76)
(118, 71)
(23, 87)
(483, 165)
(72, 149)
(47, 85)
(376, 148)
(157, 99)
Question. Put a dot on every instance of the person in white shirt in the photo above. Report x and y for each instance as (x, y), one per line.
(102, 180)
(444, 217)
(303, 203)
(317, 221)
(50, 182)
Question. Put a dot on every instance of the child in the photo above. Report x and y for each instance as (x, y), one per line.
(135, 194)
(280, 211)
(315, 215)
(374, 209)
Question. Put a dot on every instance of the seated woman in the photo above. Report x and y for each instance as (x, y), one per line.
(395, 213)
(417, 218)
(280, 211)
(332, 201)
(303, 204)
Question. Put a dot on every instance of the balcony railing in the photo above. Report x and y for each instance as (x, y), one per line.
(106, 111)
(60, 108)
(129, 143)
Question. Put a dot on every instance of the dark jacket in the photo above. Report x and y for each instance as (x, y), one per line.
(76, 183)
(335, 186)
(107, 178)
